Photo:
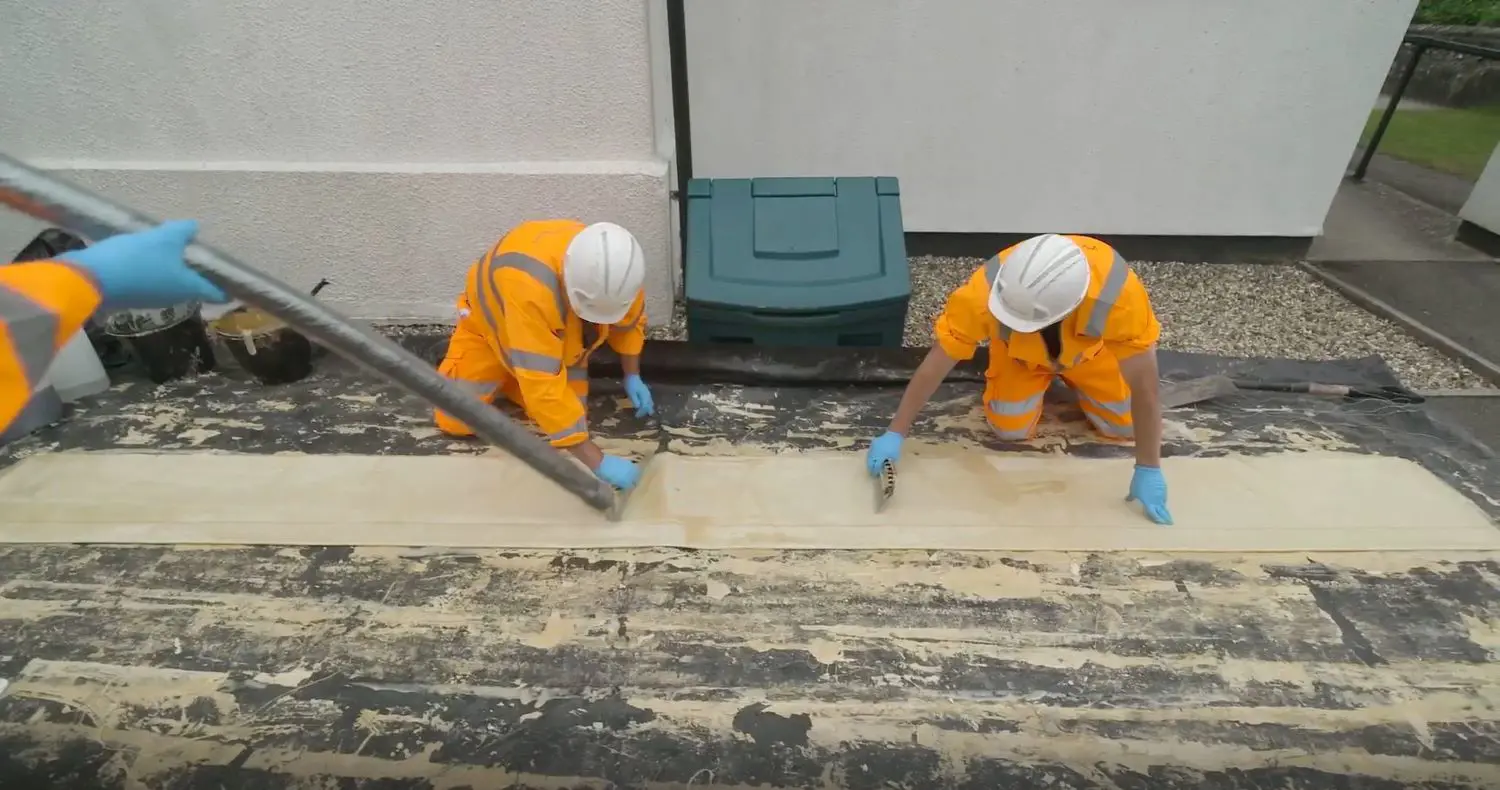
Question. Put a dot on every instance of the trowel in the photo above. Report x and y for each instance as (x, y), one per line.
(1175, 394)
(617, 510)
(885, 485)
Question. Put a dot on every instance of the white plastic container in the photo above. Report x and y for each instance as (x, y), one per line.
(76, 372)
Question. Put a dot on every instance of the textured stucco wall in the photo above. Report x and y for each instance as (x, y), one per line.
(1215, 117)
(380, 143)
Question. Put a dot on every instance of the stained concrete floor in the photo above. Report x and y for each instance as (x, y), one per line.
(343, 667)
(1372, 221)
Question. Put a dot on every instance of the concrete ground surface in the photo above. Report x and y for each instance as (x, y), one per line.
(1443, 191)
(1372, 221)
(173, 667)
(1458, 299)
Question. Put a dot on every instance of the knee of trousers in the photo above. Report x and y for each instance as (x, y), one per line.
(1111, 418)
(1014, 420)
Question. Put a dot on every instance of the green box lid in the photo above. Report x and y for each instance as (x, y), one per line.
(795, 244)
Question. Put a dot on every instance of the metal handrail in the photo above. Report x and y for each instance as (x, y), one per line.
(1419, 45)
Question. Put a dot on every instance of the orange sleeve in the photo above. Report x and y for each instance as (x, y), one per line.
(628, 336)
(1132, 326)
(42, 305)
(965, 321)
(534, 331)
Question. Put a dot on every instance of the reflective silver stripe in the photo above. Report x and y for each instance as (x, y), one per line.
(484, 292)
(1011, 408)
(1119, 408)
(479, 388)
(580, 373)
(1109, 293)
(1110, 429)
(532, 361)
(1004, 334)
(538, 270)
(1017, 435)
(33, 333)
(581, 426)
(992, 270)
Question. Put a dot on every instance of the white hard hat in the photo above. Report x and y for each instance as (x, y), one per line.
(603, 270)
(1042, 280)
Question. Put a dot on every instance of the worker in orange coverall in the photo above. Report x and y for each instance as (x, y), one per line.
(44, 303)
(534, 308)
(1052, 306)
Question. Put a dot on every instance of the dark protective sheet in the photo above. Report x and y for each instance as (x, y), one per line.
(838, 399)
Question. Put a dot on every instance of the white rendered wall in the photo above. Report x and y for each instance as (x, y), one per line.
(383, 144)
(1483, 206)
(1178, 117)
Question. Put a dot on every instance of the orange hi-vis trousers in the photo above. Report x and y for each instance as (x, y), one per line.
(1014, 391)
(473, 365)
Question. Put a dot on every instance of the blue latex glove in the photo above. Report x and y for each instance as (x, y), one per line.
(146, 269)
(640, 396)
(622, 473)
(887, 447)
(1149, 488)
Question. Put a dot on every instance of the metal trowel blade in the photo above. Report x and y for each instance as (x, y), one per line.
(885, 485)
(1175, 394)
(617, 510)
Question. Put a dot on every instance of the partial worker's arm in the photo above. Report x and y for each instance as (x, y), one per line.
(42, 305)
(1141, 374)
(628, 338)
(1130, 335)
(958, 332)
(928, 377)
(964, 324)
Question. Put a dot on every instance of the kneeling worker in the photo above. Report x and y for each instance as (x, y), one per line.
(534, 308)
(1050, 306)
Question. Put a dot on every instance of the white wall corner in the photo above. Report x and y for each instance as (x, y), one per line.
(665, 127)
(1483, 206)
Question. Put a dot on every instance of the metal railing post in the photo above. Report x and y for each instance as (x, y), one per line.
(1417, 48)
(1391, 110)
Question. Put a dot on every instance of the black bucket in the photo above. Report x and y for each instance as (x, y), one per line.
(52, 243)
(264, 345)
(170, 343)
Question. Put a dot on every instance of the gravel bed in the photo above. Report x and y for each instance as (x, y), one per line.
(1245, 310)
(1238, 310)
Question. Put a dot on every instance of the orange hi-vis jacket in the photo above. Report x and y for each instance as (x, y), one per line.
(49, 301)
(1114, 322)
(1115, 316)
(515, 302)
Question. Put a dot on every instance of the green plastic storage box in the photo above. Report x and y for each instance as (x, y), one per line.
(796, 262)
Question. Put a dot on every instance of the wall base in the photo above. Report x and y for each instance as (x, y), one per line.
(1205, 249)
(394, 240)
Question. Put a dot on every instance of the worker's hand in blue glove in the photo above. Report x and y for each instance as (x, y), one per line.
(640, 396)
(146, 269)
(622, 473)
(1149, 488)
(886, 447)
